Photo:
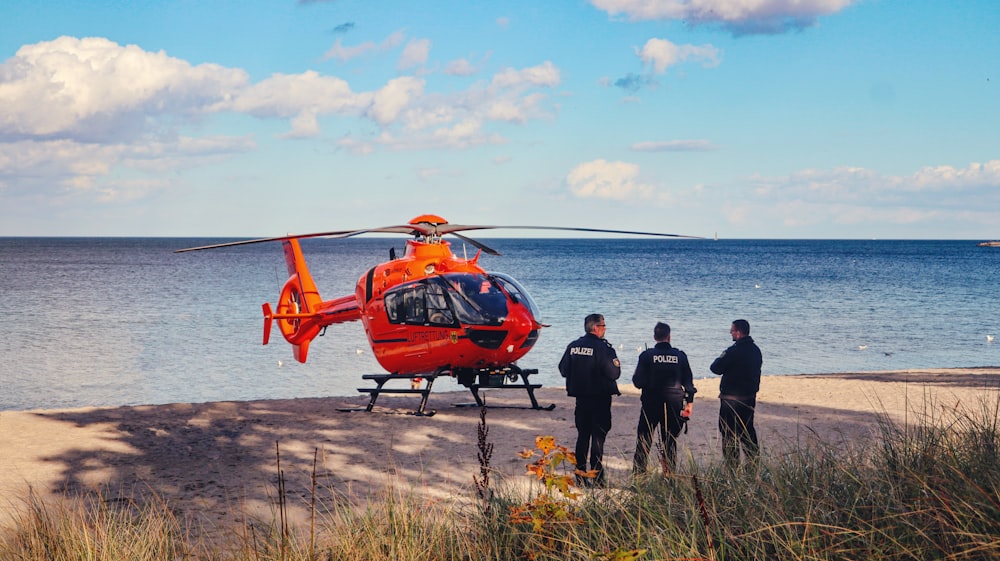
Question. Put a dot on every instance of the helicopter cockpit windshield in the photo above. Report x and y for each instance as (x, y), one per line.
(517, 293)
(477, 299)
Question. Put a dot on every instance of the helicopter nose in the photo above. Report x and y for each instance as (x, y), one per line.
(524, 332)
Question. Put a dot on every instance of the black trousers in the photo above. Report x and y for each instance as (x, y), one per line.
(664, 414)
(736, 428)
(592, 417)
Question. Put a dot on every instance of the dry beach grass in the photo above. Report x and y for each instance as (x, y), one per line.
(216, 462)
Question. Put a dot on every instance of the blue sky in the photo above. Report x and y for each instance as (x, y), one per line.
(762, 119)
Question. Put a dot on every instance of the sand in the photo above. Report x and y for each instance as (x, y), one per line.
(216, 462)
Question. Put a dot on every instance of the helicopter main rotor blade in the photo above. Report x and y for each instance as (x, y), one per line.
(258, 240)
(432, 229)
(407, 229)
(452, 228)
(475, 243)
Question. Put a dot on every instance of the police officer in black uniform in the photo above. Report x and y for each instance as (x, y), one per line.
(739, 366)
(591, 368)
(665, 378)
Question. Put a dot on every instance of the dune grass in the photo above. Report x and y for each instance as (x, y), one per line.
(928, 489)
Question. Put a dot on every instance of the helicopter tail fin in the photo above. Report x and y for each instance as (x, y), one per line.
(300, 313)
(296, 311)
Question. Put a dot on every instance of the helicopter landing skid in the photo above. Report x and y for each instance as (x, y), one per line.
(416, 388)
(486, 380)
(499, 382)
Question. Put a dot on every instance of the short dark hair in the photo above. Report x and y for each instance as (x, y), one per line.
(742, 325)
(661, 331)
(591, 321)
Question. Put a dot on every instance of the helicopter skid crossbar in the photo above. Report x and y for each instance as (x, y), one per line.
(490, 380)
(487, 379)
(415, 389)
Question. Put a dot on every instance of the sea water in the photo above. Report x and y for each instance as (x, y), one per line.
(125, 321)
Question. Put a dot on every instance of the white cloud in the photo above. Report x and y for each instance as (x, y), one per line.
(305, 125)
(742, 16)
(459, 67)
(415, 54)
(661, 54)
(461, 134)
(389, 101)
(465, 67)
(932, 199)
(95, 89)
(76, 110)
(601, 179)
(940, 178)
(89, 116)
(542, 75)
(854, 184)
(459, 119)
(340, 52)
(66, 166)
(433, 115)
(289, 95)
(355, 146)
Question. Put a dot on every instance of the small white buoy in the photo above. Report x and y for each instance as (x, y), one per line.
(280, 364)
(757, 285)
(989, 338)
(359, 351)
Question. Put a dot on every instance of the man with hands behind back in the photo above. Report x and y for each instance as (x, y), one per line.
(665, 378)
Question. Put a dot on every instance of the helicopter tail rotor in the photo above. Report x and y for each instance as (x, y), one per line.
(291, 329)
(268, 321)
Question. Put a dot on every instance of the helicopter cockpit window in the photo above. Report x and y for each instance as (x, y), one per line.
(407, 304)
(448, 300)
(393, 303)
(438, 312)
(517, 292)
(414, 310)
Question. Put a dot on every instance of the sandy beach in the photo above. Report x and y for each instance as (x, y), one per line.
(212, 461)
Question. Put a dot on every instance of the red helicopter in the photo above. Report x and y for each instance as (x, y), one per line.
(427, 313)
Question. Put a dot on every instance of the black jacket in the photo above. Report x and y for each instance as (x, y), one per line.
(590, 366)
(739, 366)
(662, 370)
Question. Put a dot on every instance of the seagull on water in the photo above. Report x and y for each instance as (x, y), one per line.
(989, 338)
